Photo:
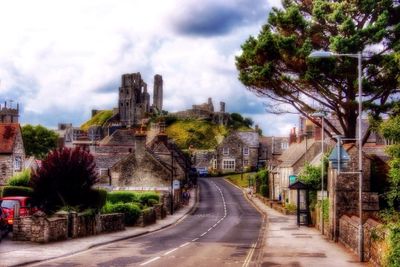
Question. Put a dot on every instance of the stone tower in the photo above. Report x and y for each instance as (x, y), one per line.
(9, 114)
(222, 107)
(132, 99)
(158, 92)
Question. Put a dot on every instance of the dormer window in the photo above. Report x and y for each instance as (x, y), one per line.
(245, 150)
(225, 151)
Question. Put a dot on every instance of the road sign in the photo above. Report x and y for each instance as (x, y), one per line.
(176, 184)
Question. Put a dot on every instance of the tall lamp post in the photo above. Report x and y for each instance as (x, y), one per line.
(322, 116)
(326, 54)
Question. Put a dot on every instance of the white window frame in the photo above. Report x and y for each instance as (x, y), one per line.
(245, 162)
(103, 172)
(225, 151)
(284, 145)
(18, 163)
(246, 150)
(229, 164)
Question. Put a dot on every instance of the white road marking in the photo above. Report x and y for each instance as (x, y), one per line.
(203, 234)
(149, 261)
(194, 240)
(187, 243)
(250, 255)
(168, 252)
(209, 229)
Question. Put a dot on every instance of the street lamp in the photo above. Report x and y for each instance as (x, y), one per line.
(326, 54)
(321, 115)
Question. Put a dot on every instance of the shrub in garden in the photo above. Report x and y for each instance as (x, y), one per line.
(20, 179)
(64, 179)
(122, 196)
(145, 197)
(9, 191)
(131, 211)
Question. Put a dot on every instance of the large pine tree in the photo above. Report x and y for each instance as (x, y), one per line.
(275, 64)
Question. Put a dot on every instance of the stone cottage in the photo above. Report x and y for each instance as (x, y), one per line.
(238, 151)
(12, 152)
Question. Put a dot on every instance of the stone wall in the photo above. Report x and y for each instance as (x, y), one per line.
(6, 168)
(374, 245)
(147, 217)
(112, 222)
(38, 228)
(348, 232)
(374, 238)
(42, 229)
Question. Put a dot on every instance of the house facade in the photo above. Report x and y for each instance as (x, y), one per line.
(237, 152)
(12, 152)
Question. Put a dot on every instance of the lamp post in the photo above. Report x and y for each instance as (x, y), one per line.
(322, 116)
(326, 54)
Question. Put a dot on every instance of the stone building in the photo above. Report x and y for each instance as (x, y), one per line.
(206, 111)
(238, 151)
(8, 114)
(158, 93)
(12, 153)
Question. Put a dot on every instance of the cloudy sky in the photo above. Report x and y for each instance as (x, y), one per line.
(60, 59)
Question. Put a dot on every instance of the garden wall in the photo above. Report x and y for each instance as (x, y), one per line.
(42, 229)
(374, 236)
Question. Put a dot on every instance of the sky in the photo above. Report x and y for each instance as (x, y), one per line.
(61, 59)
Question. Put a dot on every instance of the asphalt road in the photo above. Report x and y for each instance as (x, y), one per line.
(222, 231)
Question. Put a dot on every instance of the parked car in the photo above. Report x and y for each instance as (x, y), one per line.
(3, 224)
(24, 206)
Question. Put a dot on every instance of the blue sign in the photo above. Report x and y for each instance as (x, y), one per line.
(292, 179)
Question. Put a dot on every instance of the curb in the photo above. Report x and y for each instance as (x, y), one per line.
(190, 211)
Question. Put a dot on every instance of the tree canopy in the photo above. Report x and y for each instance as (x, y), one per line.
(38, 140)
(276, 64)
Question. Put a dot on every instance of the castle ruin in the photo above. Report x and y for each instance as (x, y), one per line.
(8, 114)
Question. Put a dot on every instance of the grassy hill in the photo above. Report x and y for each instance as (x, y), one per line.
(99, 119)
(198, 133)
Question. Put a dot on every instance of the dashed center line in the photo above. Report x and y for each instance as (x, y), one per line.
(195, 239)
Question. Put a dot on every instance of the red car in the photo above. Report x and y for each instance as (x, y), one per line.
(8, 204)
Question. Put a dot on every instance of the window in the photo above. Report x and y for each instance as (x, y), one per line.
(103, 172)
(284, 145)
(228, 164)
(17, 163)
(246, 163)
(214, 163)
(4, 170)
(245, 150)
(225, 151)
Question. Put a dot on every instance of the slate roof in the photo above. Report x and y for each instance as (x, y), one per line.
(250, 138)
(295, 151)
(119, 138)
(8, 134)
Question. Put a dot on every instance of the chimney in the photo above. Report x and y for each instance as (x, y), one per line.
(140, 143)
(292, 136)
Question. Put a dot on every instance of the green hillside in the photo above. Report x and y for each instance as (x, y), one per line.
(99, 119)
(198, 133)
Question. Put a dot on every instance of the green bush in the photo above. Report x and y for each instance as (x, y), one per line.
(9, 191)
(263, 175)
(131, 211)
(393, 254)
(145, 197)
(264, 190)
(152, 202)
(122, 197)
(290, 207)
(20, 179)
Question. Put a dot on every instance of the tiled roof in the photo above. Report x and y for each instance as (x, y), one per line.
(295, 151)
(8, 134)
(250, 138)
(119, 138)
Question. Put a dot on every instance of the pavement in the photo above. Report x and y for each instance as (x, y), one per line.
(286, 244)
(19, 253)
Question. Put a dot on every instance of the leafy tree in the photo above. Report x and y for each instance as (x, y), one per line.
(64, 179)
(38, 140)
(275, 64)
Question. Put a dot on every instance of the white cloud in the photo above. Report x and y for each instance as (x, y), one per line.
(56, 55)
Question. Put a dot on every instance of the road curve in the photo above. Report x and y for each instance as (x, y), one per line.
(222, 231)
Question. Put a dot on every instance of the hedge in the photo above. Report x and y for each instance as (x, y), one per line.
(131, 211)
(122, 197)
(264, 190)
(147, 198)
(9, 191)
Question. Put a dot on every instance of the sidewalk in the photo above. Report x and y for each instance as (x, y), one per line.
(14, 253)
(286, 244)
